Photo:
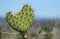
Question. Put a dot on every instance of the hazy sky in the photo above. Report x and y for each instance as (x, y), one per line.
(42, 8)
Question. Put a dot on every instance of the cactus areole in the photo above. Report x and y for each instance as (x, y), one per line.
(22, 20)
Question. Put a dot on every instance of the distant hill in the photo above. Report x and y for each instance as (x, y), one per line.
(3, 22)
(42, 21)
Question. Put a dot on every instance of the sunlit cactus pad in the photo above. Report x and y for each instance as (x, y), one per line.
(22, 20)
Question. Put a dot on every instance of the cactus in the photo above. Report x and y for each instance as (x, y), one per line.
(21, 21)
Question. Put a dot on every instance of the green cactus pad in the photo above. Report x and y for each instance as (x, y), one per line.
(22, 20)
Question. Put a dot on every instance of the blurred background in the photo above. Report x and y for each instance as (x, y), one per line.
(47, 12)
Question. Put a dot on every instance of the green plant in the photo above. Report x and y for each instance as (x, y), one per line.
(21, 21)
(48, 36)
(47, 28)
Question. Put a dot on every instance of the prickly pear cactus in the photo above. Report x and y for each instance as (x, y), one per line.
(22, 20)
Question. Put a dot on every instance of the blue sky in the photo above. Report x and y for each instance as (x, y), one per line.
(42, 8)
